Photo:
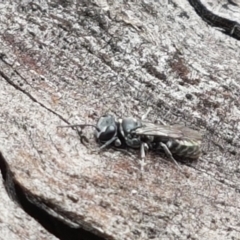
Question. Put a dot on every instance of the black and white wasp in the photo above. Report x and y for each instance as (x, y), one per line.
(139, 134)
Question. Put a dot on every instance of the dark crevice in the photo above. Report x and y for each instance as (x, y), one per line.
(8, 80)
(24, 198)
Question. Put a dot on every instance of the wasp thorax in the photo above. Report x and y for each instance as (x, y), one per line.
(126, 127)
(129, 124)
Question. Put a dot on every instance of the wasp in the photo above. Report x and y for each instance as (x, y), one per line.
(139, 134)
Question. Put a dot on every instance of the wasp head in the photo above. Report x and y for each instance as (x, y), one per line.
(106, 128)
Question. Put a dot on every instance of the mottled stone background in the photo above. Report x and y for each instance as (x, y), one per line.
(72, 61)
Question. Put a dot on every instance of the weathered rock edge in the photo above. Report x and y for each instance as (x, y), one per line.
(37, 209)
(227, 26)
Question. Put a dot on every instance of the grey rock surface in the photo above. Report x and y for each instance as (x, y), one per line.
(72, 61)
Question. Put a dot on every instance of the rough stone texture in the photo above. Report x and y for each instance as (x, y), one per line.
(70, 62)
(228, 8)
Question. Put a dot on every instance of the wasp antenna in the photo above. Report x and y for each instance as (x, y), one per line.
(80, 125)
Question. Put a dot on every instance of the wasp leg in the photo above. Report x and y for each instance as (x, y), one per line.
(108, 143)
(83, 138)
(105, 145)
(169, 154)
(79, 128)
(143, 155)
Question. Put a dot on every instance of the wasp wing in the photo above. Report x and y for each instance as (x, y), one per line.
(168, 131)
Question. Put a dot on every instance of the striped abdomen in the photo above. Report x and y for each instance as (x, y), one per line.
(186, 148)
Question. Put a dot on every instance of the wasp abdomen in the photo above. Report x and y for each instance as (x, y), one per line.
(187, 148)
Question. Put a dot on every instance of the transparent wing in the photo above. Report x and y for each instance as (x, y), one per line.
(170, 131)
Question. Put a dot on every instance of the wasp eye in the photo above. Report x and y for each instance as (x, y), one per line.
(108, 133)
